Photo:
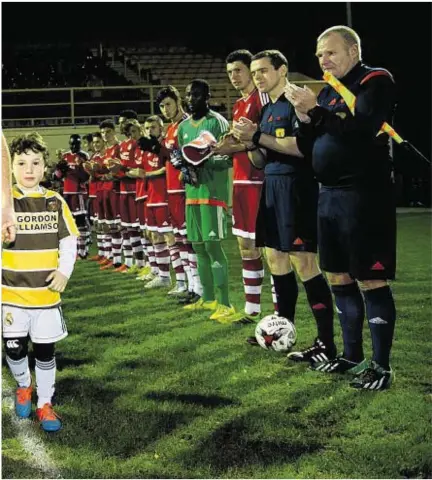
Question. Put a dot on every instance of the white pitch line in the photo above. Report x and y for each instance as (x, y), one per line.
(30, 442)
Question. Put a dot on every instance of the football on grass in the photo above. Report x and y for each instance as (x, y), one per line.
(275, 333)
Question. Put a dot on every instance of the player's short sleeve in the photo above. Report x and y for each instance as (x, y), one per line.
(116, 151)
(220, 126)
(66, 222)
(180, 134)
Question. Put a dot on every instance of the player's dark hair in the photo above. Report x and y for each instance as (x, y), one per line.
(244, 56)
(168, 92)
(29, 141)
(129, 114)
(131, 123)
(88, 137)
(202, 84)
(277, 59)
(107, 124)
(97, 135)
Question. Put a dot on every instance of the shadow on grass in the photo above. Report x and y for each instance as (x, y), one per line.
(230, 447)
(423, 471)
(62, 361)
(12, 468)
(208, 401)
(144, 363)
(103, 427)
(107, 334)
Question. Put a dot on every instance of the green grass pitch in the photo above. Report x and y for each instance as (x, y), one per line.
(147, 390)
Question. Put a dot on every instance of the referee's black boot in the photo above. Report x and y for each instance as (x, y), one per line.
(340, 365)
(317, 353)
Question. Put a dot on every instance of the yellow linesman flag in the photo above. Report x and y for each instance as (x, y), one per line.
(350, 100)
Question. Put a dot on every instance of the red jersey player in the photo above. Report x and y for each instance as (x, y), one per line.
(158, 220)
(110, 193)
(131, 128)
(182, 254)
(137, 171)
(247, 183)
(73, 190)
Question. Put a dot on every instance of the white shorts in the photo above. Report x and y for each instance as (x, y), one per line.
(44, 325)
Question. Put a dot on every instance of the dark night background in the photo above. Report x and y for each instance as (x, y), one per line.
(396, 36)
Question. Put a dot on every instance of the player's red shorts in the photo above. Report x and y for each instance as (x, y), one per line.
(111, 206)
(100, 206)
(141, 213)
(128, 211)
(177, 209)
(158, 219)
(93, 207)
(246, 198)
(76, 203)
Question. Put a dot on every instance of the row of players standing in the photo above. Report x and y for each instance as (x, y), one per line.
(286, 209)
(149, 201)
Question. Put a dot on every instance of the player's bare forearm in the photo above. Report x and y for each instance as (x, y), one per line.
(7, 201)
(156, 173)
(257, 158)
(230, 149)
(136, 173)
(287, 145)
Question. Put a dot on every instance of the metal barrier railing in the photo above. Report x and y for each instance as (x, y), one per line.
(89, 105)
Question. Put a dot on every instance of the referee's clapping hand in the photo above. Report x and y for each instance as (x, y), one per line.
(303, 99)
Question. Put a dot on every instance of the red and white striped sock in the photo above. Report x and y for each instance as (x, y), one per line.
(126, 248)
(116, 247)
(162, 259)
(274, 297)
(87, 238)
(184, 255)
(100, 244)
(197, 286)
(177, 266)
(81, 242)
(108, 246)
(137, 249)
(253, 275)
(152, 259)
(147, 249)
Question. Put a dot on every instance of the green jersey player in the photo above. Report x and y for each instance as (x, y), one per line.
(206, 204)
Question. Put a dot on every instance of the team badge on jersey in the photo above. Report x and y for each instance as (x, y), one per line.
(8, 320)
(341, 115)
(280, 132)
(53, 205)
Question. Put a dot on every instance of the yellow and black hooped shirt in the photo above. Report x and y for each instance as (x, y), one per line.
(43, 219)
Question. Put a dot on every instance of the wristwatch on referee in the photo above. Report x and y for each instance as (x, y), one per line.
(256, 137)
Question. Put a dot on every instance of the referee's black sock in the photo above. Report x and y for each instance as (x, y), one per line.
(321, 302)
(381, 315)
(286, 293)
(350, 307)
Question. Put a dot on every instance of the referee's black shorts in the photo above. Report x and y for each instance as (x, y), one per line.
(287, 214)
(357, 232)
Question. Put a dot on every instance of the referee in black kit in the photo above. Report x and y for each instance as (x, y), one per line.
(356, 211)
(287, 215)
